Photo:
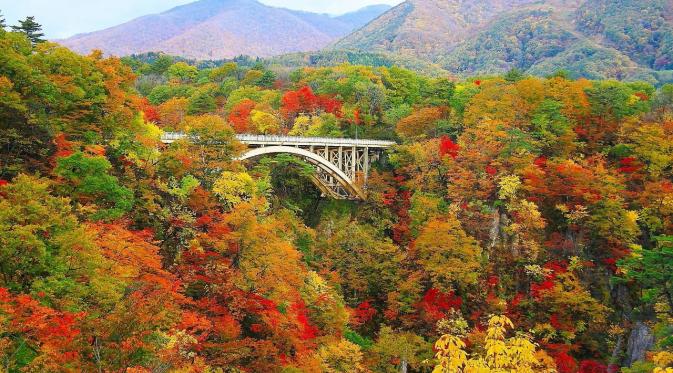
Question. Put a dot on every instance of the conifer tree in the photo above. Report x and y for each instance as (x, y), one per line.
(3, 24)
(31, 28)
(267, 80)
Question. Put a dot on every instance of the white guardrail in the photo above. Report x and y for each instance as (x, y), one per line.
(169, 137)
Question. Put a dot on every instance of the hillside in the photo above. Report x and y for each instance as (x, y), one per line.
(425, 28)
(642, 30)
(214, 29)
(519, 224)
(327, 58)
(621, 39)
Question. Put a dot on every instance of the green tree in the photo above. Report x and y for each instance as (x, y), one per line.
(663, 101)
(368, 265)
(161, 64)
(3, 24)
(438, 91)
(89, 178)
(397, 351)
(653, 270)
(201, 102)
(219, 74)
(29, 218)
(182, 72)
(31, 28)
(267, 80)
(514, 75)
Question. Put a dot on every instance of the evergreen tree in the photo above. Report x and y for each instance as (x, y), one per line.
(3, 24)
(200, 103)
(31, 28)
(267, 80)
(514, 75)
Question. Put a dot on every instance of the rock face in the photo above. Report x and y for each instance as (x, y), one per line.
(640, 341)
(215, 29)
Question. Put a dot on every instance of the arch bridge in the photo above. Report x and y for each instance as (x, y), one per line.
(342, 165)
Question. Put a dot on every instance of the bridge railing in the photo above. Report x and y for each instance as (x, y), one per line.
(292, 140)
(173, 136)
(317, 141)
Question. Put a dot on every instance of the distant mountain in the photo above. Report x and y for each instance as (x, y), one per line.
(642, 30)
(622, 39)
(425, 28)
(215, 29)
(363, 16)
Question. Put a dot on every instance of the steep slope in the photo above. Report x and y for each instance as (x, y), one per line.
(599, 39)
(519, 39)
(213, 29)
(592, 61)
(425, 28)
(643, 30)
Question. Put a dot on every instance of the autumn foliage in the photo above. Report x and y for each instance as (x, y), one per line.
(305, 101)
(517, 225)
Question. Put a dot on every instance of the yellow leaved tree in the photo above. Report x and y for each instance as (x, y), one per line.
(664, 362)
(501, 354)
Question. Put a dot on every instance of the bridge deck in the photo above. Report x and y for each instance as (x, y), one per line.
(169, 137)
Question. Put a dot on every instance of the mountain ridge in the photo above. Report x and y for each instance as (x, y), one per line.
(214, 29)
(432, 21)
(597, 39)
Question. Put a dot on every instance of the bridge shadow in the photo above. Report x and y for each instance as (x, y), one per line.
(293, 184)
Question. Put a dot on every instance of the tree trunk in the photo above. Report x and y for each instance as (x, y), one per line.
(403, 367)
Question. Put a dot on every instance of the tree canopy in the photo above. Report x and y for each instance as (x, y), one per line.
(520, 223)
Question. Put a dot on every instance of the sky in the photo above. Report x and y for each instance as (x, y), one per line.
(64, 18)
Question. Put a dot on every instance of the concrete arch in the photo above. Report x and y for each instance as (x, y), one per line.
(313, 158)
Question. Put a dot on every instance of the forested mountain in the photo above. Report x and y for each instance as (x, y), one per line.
(361, 17)
(519, 224)
(642, 30)
(426, 28)
(215, 29)
(617, 39)
(622, 39)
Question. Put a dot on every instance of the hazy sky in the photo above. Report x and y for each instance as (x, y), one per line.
(63, 18)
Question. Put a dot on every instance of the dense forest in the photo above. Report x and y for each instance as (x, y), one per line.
(594, 39)
(521, 224)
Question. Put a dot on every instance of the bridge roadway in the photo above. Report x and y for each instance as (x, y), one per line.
(342, 165)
